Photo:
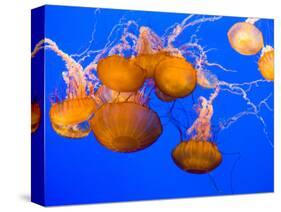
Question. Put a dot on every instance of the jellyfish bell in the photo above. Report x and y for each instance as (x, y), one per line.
(266, 63)
(69, 118)
(245, 38)
(35, 116)
(175, 77)
(120, 74)
(126, 126)
(197, 157)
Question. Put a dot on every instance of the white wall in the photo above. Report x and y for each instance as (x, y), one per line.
(15, 103)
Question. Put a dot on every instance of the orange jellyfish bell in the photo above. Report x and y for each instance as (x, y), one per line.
(266, 63)
(245, 38)
(197, 157)
(69, 118)
(126, 127)
(120, 74)
(35, 116)
(175, 77)
(149, 62)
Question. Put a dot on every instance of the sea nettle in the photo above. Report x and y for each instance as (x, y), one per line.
(175, 77)
(120, 74)
(126, 126)
(245, 38)
(69, 118)
(197, 157)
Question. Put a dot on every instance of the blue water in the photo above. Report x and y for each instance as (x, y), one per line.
(83, 171)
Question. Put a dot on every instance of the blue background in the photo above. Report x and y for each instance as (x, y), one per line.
(82, 171)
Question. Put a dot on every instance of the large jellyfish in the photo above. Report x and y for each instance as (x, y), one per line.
(120, 74)
(175, 77)
(245, 37)
(126, 126)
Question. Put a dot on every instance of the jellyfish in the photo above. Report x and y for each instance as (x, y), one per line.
(69, 118)
(245, 38)
(266, 63)
(175, 77)
(126, 126)
(35, 116)
(206, 79)
(120, 74)
(197, 157)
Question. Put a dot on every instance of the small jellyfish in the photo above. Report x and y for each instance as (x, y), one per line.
(149, 62)
(126, 126)
(35, 116)
(69, 118)
(197, 157)
(266, 63)
(120, 74)
(245, 38)
(206, 79)
(163, 97)
(175, 77)
(198, 154)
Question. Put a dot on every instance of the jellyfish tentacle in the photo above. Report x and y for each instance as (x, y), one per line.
(238, 154)
(214, 183)
(242, 89)
(74, 76)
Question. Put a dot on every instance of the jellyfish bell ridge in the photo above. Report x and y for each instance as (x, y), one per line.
(126, 126)
(120, 74)
(198, 157)
(175, 77)
(245, 38)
